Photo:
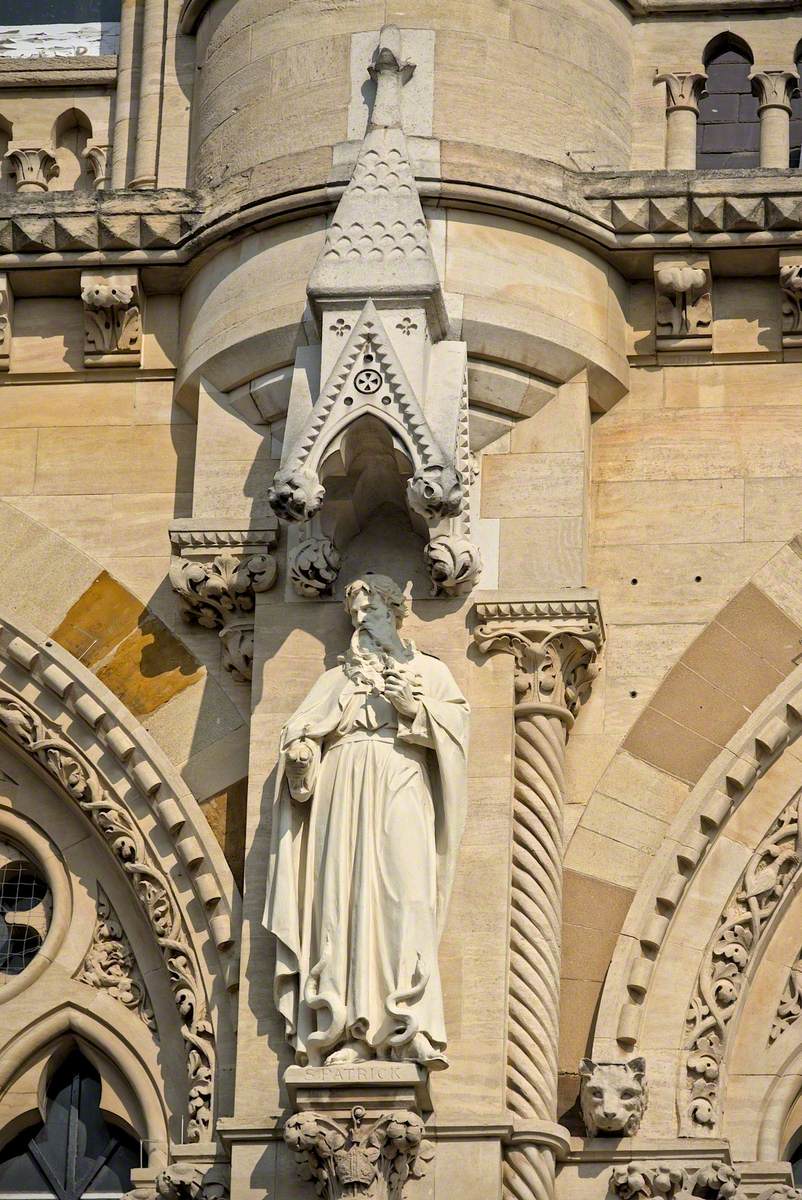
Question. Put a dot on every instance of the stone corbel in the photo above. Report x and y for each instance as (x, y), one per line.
(555, 644)
(32, 166)
(216, 570)
(6, 320)
(684, 90)
(791, 285)
(96, 157)
(683, 303)
(184, 1180)
(774, 91)
(112, 318)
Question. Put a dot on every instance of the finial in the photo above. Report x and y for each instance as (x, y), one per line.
(390, 74)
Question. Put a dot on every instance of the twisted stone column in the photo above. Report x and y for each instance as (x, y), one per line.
(555, 645)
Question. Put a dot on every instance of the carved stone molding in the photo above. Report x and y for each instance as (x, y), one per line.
(112, 318)
(216, 570)
(60, 758)
(6, 319)
(110, 964)
(96, 157)
(366, 1156)
(772, 868)
(555, 644)
(684, 308)
(32, 166)
(715, 1180)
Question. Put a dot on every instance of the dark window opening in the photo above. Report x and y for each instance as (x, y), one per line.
(728, 130)
(75, 1152)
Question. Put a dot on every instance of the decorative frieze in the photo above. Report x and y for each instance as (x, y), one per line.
(715, 1180)
(216, 570)
(367, 1156)
(6, 319)
(110, 964)
(112, 318)
(32, 166)
(683, 303)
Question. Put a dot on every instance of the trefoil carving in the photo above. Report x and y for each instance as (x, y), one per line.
(112, 318)
(110, 965)
(218, 590)
(367, 1157)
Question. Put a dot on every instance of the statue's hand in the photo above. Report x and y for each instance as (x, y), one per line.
(402, 692)
(300, 763)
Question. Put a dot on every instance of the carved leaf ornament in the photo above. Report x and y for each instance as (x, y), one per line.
(727, 958)
(65, 763)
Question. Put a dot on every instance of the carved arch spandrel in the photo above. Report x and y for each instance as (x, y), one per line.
(77, 736)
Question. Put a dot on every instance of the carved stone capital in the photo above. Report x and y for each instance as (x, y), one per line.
(684, 89)
(97, 163)
(555, 644)
(32, 166)
(216, 570)
(6, 316)
(112, 318)
(366, 1156)
(684, 306)
(774, 89)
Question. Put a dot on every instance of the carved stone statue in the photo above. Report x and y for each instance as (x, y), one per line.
(368, 816)
(613, 1096)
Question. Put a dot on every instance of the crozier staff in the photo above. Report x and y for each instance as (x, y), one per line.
(368, 814)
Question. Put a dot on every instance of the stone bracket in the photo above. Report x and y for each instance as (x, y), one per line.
(216, 570)
(6, 320)
(683, 303)
(791, 286)
(112, 318)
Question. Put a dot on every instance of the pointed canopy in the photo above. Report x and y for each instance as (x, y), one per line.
(377, 244)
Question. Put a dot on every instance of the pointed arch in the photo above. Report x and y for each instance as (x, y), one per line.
(80, 739)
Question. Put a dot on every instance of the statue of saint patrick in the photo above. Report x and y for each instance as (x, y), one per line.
(368, 814)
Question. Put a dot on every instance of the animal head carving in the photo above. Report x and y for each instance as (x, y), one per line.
(613, 1096)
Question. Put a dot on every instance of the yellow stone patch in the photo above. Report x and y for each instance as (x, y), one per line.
(226, 814)
(132, 652)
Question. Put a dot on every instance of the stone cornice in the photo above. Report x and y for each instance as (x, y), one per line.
(90, 71)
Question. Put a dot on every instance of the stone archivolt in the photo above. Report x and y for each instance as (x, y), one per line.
(725, 967)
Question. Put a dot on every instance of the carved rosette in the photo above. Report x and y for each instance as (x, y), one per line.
(555, 645)
(111, 967)
(313, 567)
(684, 308)
(32, 166)
(369, 1157)
(112, 318)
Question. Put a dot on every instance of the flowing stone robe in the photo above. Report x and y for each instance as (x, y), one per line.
(360, 873)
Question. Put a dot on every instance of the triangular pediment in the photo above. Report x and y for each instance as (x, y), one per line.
(367, 379)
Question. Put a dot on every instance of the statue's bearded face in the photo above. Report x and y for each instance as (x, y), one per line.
(368, 609)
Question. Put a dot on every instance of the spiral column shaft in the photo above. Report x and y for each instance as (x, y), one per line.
(554, 669)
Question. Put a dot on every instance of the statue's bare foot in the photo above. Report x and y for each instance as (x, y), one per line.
(349, 1052)
(422, 1051)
